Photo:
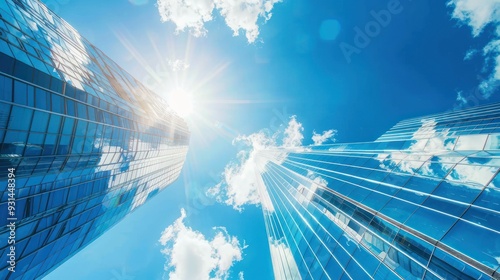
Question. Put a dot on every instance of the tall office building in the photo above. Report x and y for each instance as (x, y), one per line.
(420, 202)
(82, 143)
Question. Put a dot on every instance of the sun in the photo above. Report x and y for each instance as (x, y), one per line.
(181, 102)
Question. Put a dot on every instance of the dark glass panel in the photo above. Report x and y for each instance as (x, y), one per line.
(5, 88)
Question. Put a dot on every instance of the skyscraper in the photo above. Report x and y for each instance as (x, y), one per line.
(82, 143)
(420, 202)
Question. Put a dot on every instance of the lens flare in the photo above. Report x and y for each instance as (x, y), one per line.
(181, 102)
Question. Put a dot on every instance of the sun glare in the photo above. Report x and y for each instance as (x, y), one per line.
(181, 102)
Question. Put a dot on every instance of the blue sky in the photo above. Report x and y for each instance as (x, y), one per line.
(424, 57)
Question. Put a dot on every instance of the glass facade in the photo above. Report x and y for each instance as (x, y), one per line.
(420, 202)
(82, 143)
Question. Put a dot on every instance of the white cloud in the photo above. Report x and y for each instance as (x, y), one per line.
(492, 53)
(322, 138)
(177, 65)
(187, 14)
(293, 134)
(478, 15)
(475, 13)
(191, 256)
(470, 54)
(242, 182)
(238, 14)
(244, 15)
(460, 101)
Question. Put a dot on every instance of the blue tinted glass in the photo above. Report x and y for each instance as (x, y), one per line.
(49, 145)
(40, 121)
(81, 128)
(431, 223)
(54, 124)
(116, 120)
(5, 88)
(89, 145)
(63, 146)
(82, 110)
(384, 273)
(16, 140)
(403, 265)
(4, 113)
(483, 217)
(42, 99)
(376, 200)
(445, 206)
(36, 139)
(398, 209)
(70, 107)
(366, 259)
(81, 95)
(30, 96)
(107, 118)
(92, 113)
(489, 198)
(474, 241)
(34, 145)
(68, 126)
(456, 191)
(355, 271)
(418, 249)
(396, 179)
(78, 143)
(91, 130)
(20, 93)
(57, 103)
(70, 91)
(422, 184)
(4, 47)
(20, 118)
(449, 267)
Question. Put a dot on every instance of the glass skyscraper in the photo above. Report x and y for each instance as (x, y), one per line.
(420, 202)
(82, 143)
